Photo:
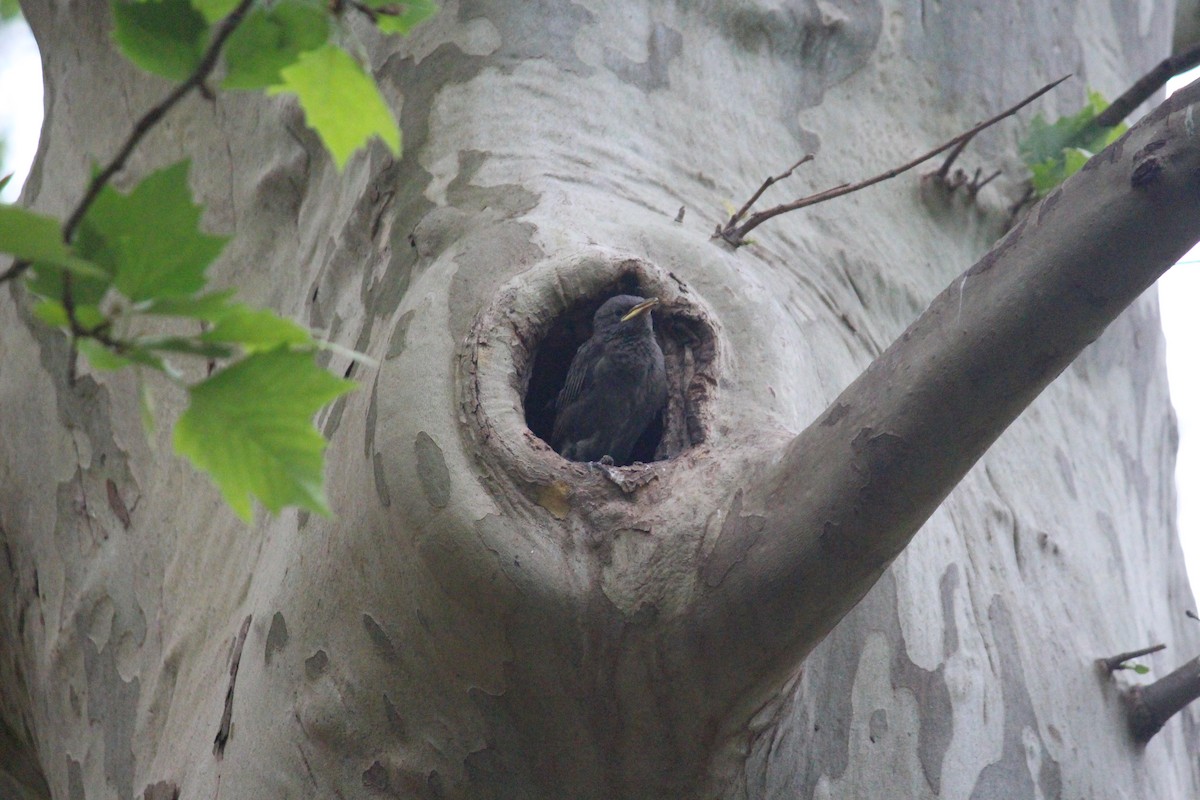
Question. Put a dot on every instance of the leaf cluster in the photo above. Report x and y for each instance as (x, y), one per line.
(125, 276)
(1056, 151)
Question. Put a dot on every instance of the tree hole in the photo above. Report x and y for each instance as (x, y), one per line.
(687, 343)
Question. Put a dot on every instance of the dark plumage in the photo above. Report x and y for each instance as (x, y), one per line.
(615, 387)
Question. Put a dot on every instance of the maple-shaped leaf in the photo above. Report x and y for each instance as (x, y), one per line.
(250, 427)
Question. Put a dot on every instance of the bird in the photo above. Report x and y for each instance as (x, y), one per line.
(616, 386)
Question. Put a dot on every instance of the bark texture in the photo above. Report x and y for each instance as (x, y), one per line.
(483, 619)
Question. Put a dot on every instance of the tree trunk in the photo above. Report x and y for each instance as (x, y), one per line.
(745, 616)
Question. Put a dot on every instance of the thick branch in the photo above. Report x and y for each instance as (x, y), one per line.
(824, 519)
(1149, 707)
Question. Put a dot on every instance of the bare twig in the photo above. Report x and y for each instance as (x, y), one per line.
(944, 170)
(143, 126)
(1118, 661)
(976, 184)
(741, 212)
(736, 234)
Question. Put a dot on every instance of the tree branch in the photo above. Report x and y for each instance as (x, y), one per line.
(1146, 86)
(1149, 707)
(741, 212)
(736, 234)
(1117, 662)
(819, 523)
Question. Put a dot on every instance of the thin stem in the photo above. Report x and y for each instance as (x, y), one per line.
(736, 235)
(944, 170)
(741, 212)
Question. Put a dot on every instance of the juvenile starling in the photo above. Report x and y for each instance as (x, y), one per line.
(616, 385)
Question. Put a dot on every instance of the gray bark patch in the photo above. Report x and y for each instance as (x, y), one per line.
(112, 704)
(1010, 776)
(277, 636)
(394, 719)
(379, 638)
(431, 469)
(399, 335)
(878, 724)
(947, 586)
(376, 779)
(738, 534)
(316, 664)
(665, 44)
(381, 489)
(74, 780)
(816, 734)
(163, 790)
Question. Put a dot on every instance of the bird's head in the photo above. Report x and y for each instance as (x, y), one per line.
(624, 314)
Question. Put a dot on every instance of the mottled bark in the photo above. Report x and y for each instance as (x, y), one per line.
(483, 619)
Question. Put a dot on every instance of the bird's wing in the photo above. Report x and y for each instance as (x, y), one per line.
(580, 374)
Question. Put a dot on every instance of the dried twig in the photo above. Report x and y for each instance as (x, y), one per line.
(975, 185)
(741, 212)
(944, 170)
(1118, 661)
(736, 234)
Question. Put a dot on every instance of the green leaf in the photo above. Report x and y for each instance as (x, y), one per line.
(256, 329)
(150, 238)
(145, 404)
(214, 10)
(1055, 152)
(9, 9)
(209, 307)
(401, 17)
(1140, 669)
(165, 37)
(340, 101)
(250, 427)
(54, 314)
(186, 346)
(269, 40)
(34, 237)
(103, 358)
(47, 280)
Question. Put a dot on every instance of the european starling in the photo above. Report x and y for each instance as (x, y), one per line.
(616, 385)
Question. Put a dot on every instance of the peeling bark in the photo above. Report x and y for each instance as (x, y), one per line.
(483, 619)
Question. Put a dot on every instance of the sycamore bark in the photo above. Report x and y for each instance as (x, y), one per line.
(751, 617)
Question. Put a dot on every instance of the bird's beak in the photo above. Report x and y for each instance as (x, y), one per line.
(645, 305)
